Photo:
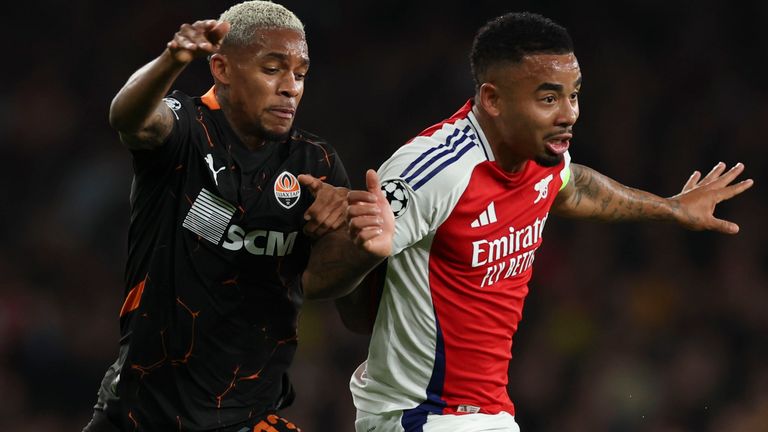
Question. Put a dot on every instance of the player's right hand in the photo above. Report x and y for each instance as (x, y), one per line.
(200, 39)
(370, 218)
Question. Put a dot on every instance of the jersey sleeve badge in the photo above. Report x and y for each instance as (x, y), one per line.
(397, 196)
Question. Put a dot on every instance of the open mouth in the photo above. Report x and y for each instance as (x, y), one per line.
(558, 144)
(558, 147)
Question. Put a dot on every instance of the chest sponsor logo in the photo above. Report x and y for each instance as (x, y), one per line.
(260, 242)
(503, 257)
(287, 190)
(542, 187)
(209, 216)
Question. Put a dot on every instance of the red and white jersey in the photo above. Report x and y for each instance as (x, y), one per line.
(466, 233)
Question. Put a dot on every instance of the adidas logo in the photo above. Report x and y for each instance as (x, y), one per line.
(487, 217)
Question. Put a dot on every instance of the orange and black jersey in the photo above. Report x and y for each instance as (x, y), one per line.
(213, 280)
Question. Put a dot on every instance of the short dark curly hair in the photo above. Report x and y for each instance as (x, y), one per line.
(506, 39)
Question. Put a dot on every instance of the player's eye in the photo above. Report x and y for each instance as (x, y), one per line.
(271, 70)
(549, 99)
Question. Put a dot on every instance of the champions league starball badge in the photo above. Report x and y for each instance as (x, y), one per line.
(172, 103)
(397, 195)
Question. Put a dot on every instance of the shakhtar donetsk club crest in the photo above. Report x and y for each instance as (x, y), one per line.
(287, 190)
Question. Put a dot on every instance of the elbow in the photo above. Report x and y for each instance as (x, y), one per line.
(116, 119)
(311, 294)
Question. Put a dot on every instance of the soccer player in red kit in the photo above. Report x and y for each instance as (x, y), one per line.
(456, 217)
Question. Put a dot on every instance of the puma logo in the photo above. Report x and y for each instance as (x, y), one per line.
(209, 161)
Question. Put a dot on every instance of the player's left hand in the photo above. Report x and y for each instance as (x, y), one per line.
(326, 214)
(696, 203)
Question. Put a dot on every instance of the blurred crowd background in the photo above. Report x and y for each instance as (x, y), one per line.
(630, 327)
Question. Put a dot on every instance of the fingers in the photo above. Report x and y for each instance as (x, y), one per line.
(313, 184)
(198, 39)
(730, 176)
(366, 237)
(363, 213)
(218, 31)
(362, 223)
(326, 218)
(369, 218)
(327, 213)
(372, 182)
(724, 226)
(357, 196)
(713, 174)
(365, 229)
(363, 209)
(717, 178)
(733, 190)
(693, 180)
(373, 193)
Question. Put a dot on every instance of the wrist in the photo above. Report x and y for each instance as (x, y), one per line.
(673, 209)
(176, 58)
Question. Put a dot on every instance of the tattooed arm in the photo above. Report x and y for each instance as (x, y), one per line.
(137, 111)
(341, 259)
(590, 194)
(336, 266)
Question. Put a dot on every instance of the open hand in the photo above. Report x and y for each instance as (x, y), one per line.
(370, 218)
(696, 202)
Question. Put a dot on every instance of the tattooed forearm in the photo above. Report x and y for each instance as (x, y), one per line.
(593, 195)
(336, 266)
(153, 133)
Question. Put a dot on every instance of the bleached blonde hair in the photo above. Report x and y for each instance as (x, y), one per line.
(247, 17)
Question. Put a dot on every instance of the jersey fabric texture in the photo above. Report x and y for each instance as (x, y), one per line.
(466, 233)
(213, 278)
(477, 422)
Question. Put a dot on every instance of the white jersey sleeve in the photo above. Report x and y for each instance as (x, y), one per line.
(423, 180)
(412, 211)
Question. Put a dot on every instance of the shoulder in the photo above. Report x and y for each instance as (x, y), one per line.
(438, 159)
(177, 99)
(314, 155)
(307, 141)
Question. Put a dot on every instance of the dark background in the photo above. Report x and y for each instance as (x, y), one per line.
(632, 327)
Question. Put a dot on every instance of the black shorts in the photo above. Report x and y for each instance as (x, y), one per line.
(108, 401)
(267, 423)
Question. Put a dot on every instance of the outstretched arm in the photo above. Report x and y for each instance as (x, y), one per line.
(590, 194)
(137, 111)
(340, 260)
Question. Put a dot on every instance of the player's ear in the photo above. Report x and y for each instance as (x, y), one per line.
(488, 98)
(220, 67)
